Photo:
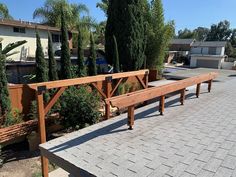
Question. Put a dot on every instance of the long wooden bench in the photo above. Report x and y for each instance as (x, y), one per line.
(131, 99)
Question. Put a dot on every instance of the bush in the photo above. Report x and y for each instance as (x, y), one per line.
(14, 117)
(79, 107)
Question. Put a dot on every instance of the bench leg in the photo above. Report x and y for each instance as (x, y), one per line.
(209, 85)
(162, 105)
(130, 117)
(182, 96)
(198, 90)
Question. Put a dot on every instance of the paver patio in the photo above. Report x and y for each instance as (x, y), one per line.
(197, 139)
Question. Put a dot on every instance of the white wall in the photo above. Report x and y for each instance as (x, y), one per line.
(193, 61)
(28, 49)
(205, 50)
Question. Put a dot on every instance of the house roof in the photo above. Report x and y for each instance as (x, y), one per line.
(182, 41)
(31, 25)
(210, 44)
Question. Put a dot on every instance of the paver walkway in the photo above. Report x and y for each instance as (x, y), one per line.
(197, 139)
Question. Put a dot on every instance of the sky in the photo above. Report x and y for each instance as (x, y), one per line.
(186, 13)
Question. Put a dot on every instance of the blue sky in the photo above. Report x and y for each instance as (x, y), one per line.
(185, 13)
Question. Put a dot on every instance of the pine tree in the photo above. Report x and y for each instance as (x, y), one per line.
(81, 67)
(92, 68)
(126, 22)
(52, 72)
(5, 103)
(159, 36)
(116, 61)
(66, 72)
(41, 65)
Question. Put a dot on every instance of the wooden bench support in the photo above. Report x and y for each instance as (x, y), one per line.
(209, 86)
(131, 117)
(162, 105)
(131, 99)
(182, 96)
(198, 90)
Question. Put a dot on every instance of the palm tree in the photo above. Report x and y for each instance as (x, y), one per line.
(4, 12)
(103, 5)
(50, 13)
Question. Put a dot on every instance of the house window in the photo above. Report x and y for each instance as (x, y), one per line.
(212, 51)
(56, 38)
(18, 30)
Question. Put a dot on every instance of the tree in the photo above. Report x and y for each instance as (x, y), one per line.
(92, 68)
(103, 5)
(5, 103)
(220, 31)
(4, 12)
(186, 34)
(159, 36)
(52, 72)
(51, 11)
(116, 57)
(65, 51)
(41, 65)
(126, 22)
(81, 68)
(200, 34)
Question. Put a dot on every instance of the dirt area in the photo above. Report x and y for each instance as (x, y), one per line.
(19, 162)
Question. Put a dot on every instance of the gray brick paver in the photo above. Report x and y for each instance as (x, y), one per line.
(229, 162)
(212, 165)
(195, 167)
(198, 139)
(223, 172)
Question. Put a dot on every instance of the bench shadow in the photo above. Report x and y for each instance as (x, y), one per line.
(111, 128)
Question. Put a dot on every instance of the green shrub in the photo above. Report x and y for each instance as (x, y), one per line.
(79, 107)
(14, 117)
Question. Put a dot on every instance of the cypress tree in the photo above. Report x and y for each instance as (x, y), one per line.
(81, 67)
(65, 51)
(92, 68)
(41, 65)
(5, 103)
(52, 73)
(126, 22)
(159, 36)
(116, 61)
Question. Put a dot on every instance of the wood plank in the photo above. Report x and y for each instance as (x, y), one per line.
(162, 105)
(99, 90)
(141, 82)
(198, 90)
(85, 80)
(42, 130)
(150, 93)
(116, 86)
(210, 85)
(182, 96)
(54, 99)
(131, 117)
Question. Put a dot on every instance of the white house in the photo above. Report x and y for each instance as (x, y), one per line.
(207, 54)
(17, 30)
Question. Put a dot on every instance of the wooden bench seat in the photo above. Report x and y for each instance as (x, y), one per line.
(131, 99)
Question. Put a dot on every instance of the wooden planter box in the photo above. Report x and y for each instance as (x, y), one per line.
(15, 131)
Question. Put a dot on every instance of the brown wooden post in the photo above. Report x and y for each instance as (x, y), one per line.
(131, 117)
(209, 85)
(42, 128)
(108, 95)
(162, 105)
(198, 90)
(182, 96)
(146, 79)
